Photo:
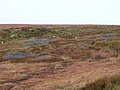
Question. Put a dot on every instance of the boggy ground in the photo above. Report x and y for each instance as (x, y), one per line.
(54, 76)
(57, 58)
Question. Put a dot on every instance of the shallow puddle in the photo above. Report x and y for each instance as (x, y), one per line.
(16, 55)
(36, 42)
(85, 43)
(8, 82)
(105, 36)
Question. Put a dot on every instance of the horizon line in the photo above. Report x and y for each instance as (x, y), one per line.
(50, 24)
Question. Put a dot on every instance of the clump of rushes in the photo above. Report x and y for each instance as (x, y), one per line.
(115, 47)
(111, 83)
(101, 44)
(21, 60)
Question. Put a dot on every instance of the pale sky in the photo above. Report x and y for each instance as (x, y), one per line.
(60, 11)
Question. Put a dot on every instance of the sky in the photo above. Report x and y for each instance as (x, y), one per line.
(60, 12)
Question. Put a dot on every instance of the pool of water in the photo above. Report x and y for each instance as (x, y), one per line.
(85, 43)
(105, 36)
(16, 55)
(8, 82)
(36, 42)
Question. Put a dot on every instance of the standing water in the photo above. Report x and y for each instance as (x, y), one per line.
(16, 55)
(36, 42)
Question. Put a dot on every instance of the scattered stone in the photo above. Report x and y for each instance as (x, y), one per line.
(76, 37)
(53, 36)
(12, 36)
(2, 42)
(58, 66)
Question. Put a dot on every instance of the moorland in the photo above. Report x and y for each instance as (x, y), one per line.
(59, 57)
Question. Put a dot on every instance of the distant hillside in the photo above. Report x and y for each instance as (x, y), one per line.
(5, 26)
(31, 25)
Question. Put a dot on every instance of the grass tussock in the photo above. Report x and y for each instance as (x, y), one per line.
(111, 83)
